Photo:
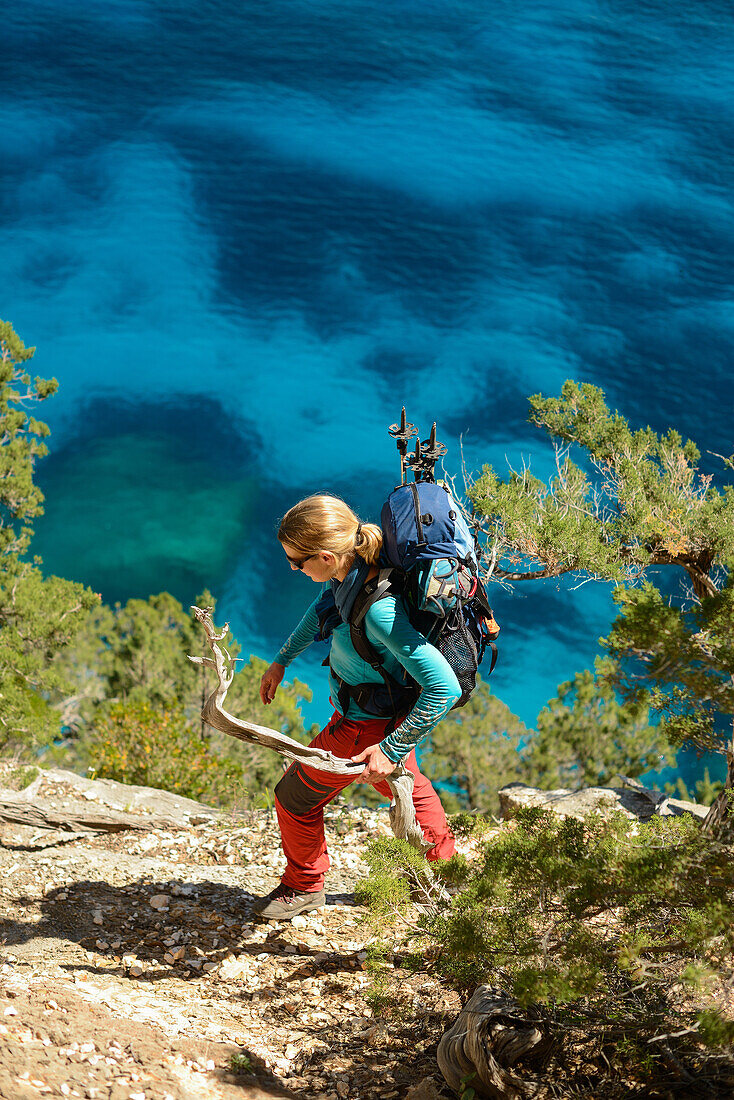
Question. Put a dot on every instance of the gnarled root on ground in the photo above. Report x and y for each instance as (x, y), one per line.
(488, 1037)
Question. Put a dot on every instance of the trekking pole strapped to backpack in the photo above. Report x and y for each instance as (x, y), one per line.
(402, 432)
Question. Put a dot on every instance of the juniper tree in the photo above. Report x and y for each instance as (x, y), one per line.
(636, 502)
(38, 615)
(586, 735)
(603, 921)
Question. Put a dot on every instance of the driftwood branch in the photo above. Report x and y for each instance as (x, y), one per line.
(487, 1039)
(78, 819)
(402, 812)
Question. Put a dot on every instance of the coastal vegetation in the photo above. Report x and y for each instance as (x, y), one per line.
(135, 714)
(618, 935)
(613, 937)
(621, 930)
(39, 616)
(585, 736)
(99, 688)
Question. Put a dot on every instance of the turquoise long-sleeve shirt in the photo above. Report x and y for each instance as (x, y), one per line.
(400, 646)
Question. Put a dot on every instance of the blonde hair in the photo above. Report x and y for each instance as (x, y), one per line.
(322, 522)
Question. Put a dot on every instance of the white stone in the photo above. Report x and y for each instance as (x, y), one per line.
(232, 969)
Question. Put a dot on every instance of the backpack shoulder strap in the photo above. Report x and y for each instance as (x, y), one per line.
(371, 592)
(374, 590)
(401, 694)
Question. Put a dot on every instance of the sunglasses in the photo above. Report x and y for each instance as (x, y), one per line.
(296, 564)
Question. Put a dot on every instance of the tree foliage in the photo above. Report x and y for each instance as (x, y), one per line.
(156, 746)
(680, 658)
(39, 616)
(526, 909)
(639, 501)
(20, 443)
(586, 736)
(602, 921)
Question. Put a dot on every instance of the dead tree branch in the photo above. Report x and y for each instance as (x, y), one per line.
(402, 812)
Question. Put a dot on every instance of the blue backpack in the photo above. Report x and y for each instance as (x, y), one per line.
(428, 559)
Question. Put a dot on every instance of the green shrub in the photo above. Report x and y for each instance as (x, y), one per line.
(469, 824)
(565, 909)
(241, 1063)
(608, 914)
(379, 993)
(157, 747)
(22, 777)
(715, 1030)
(386, 891)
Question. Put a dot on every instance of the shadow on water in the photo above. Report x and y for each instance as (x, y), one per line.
(146, 496)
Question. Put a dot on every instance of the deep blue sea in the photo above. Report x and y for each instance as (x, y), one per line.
(243, 235)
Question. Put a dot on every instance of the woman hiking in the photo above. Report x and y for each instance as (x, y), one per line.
(323, 538)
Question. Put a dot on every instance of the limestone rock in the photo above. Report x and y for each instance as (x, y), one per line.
(636, 802)
(159, 901)
(232, 969)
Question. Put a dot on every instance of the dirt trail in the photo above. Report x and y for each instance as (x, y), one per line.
(131, 967)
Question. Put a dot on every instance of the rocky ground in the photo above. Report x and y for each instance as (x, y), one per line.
(131, 967)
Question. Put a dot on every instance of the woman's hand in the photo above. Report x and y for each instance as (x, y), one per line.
(377, 765)
(271, 681)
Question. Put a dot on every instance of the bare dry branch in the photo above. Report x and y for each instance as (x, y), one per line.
(402, 813)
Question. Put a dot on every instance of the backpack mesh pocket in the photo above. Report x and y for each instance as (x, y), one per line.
(460, 648)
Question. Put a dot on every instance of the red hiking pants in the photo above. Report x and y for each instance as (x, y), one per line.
(302, 793)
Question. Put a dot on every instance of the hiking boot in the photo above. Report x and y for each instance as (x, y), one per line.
(284, 902)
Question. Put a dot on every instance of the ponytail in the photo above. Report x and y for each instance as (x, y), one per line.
(368, 542)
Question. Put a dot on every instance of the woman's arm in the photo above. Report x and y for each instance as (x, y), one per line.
(387, 623)
(299, 640)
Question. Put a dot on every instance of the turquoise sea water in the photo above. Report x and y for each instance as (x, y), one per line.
(241, 236)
